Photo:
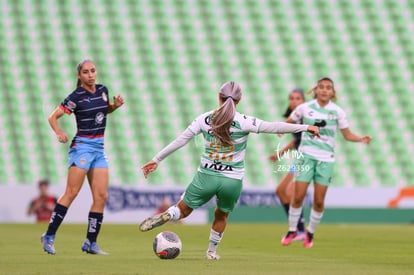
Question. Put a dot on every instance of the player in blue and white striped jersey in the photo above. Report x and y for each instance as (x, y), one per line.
(90, 104)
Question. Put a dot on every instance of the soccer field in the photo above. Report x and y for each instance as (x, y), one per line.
(245, 249)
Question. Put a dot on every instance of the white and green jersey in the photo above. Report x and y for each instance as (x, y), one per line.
(227, 161)
(329, 118)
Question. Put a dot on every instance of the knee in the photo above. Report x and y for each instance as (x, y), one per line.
(101, 196)
(220, 215)
(318, 205)
(70, 194)
(279, 192)
(297, 201)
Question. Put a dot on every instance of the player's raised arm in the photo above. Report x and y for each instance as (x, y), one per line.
(118, 102)
(283, 127)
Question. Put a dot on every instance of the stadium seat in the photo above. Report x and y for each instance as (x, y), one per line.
(169, 58)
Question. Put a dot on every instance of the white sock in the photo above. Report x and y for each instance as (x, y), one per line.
(294, 216)
(215, 239)
(315, 219)
(174, 212)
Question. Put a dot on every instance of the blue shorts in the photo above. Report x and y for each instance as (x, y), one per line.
(87, 157)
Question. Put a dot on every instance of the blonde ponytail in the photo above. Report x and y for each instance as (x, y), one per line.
(222, 120)
(230, 95)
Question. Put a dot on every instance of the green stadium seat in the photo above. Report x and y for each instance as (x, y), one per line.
(169, 58)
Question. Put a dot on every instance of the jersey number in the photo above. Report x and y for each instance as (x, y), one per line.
(224, 156)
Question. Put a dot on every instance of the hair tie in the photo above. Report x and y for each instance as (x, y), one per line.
(227, 97)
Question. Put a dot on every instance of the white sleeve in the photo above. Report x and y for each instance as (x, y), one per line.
(297, 114)
(250, 124)
(179, 142)
(342, 120)
(195, 126)
(281, 127)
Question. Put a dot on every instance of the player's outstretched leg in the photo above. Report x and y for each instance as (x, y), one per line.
(154, 221)
(48, 242)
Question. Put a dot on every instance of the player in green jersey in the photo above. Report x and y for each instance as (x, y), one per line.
(221, 169)
(317, 160)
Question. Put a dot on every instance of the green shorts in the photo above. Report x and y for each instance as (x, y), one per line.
(308, 169)
(204, 187)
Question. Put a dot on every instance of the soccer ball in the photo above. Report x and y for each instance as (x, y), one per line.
(167, 245)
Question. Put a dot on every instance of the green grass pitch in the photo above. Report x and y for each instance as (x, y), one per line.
(245, 249)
